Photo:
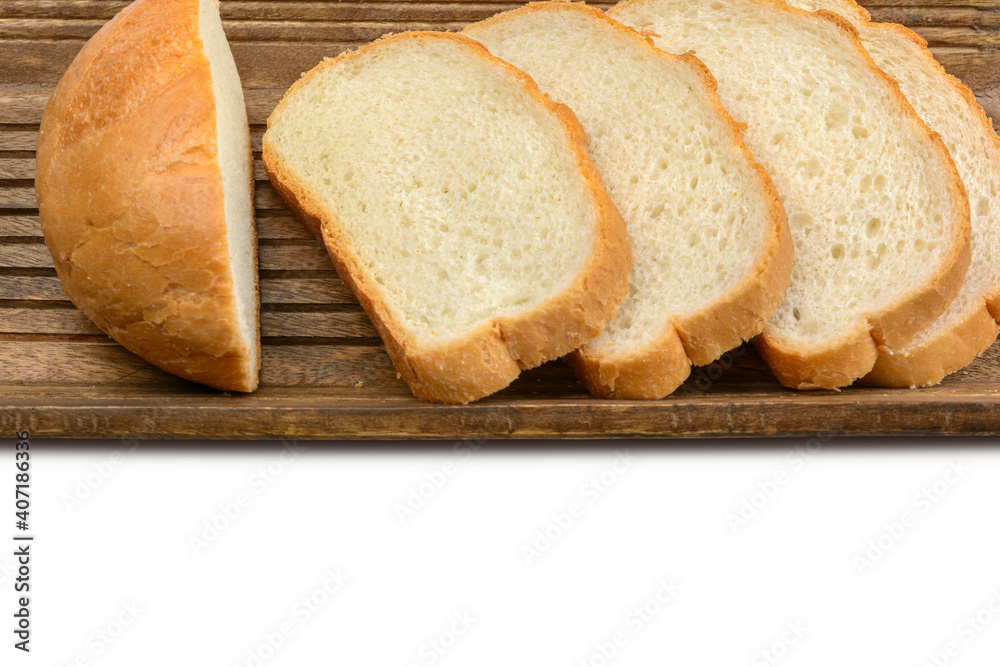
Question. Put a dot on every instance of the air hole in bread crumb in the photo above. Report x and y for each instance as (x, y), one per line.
(812, 168)
(837, 251)
(983, 206)
(799, 220)
(796, 314)
(837, 116)
(872, 227)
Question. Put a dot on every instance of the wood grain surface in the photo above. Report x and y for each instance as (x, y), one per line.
(325, 373)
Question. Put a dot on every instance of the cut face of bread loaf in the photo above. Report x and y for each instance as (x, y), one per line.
(878, 215)
(711, 248)
(457, 203)
(969, 326)
(145, 191)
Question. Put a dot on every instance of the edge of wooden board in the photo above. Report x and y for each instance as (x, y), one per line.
(340, 416)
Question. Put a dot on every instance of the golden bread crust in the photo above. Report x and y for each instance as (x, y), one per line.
(929, 361)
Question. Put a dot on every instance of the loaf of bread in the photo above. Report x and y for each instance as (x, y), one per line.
(457, 203)
(711, 248)
(969, 326)
(145, 190)
(878, 215)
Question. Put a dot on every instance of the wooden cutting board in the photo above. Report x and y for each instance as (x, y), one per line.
(325, 373)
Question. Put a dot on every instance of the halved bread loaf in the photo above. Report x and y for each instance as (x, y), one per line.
(878, 216)
(711, 248)
(457, 203)
(969, 326)
(145, 191)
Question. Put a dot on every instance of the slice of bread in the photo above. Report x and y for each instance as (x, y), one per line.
(879, 218)
(458, 204)
(145, 191)
(712, 251)
(970, 325)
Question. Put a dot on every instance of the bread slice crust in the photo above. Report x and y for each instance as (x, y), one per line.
(490, 357)
(839, 362)
(131, 199)
(945, 347)
(657, 368)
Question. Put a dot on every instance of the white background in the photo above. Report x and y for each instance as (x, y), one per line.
(120, 578)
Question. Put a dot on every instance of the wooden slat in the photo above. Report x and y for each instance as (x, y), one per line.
(302, 257)
(327, 366)
(97, 363)
(282, 225)
(18, 140)
(20, 225)
(930, 6)
(352, 324)
(305, 291)
(31, 288)
(17, 196)
(959, 36)
(41, 9)
(46, 321)
(265, 198)
(30, 255)
(386, 412)
(23, 103)
(962, 16)
(17, 168)
(62, 363)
